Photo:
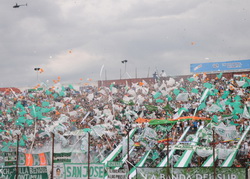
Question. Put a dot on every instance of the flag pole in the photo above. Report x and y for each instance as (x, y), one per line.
(128, 154)
(167, 154)
(214, 154)
(128, 157)
(17, 156)
(52, 155)
(88, 156)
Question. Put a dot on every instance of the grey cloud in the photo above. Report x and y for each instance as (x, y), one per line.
(157, 34)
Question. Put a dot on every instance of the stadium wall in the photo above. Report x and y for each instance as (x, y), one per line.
(227, 75)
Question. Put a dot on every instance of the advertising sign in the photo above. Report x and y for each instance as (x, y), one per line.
(220, 66)
(80, 171)
(24, 172)
(190, 173)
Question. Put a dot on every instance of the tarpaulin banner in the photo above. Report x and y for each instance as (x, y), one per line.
(80, 171)
(24, 172)
(41, 159)
(190, 173)
(220, 66)
(62, 157)
(9, 158)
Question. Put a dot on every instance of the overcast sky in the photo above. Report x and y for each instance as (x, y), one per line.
(73, 39)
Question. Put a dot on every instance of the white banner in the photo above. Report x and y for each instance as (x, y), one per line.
(80, 171)
(226, 132)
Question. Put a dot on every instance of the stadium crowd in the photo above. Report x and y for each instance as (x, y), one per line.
(111, 112)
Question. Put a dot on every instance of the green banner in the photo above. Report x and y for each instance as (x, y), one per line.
(32, 90)
(62, 157)
(190, 173)
(9, 158)
(115, 164)
(189, 147)
(24, 172)
(80, 171)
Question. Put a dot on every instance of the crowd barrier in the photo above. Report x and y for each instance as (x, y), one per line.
(98, 171)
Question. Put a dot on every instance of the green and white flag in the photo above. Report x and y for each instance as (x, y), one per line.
(213, 108)
(181, 110)
(182, 97)
(204, 95)
(157, 95)
(208, 85)
(226, 132)
(245, 113)
(155, 155)
(219, 75)
(149, 133)
(203, 153)
(84, 145)
(224, 153)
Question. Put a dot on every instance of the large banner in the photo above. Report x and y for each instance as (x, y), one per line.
(62, 157)
(24, 173)
(220, 66)
(80, 171)
(9, 158)
(41, 159)
(190, 173)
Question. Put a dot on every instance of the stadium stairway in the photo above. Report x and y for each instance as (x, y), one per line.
(209, 162)
(132, 172)
(123, 160)
(188, 154)
(164, 162)
(230, 159)
(117, 150)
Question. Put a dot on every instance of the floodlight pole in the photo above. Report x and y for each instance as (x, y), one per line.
(125, 62)
(105, 75)
(37, 71)
(148, 72)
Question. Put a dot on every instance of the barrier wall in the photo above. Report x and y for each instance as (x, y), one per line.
(191, 173)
